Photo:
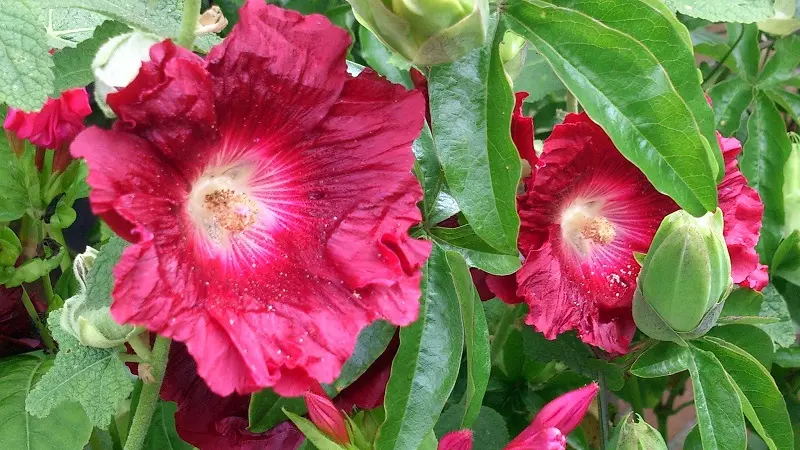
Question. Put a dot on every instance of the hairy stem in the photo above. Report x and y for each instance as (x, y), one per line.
(148, 399)
(191, 12)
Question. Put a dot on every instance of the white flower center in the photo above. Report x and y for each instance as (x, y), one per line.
(582, 226)
(220, 203)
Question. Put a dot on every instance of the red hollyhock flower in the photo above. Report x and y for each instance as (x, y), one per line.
(17, 334)
(456, 440)
(585, 213)
(268, 195)
(209, 421)
(58, 122)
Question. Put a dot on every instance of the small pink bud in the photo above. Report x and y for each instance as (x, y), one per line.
(567, 411)
(326, 417)
(546, 439)
(456, 440)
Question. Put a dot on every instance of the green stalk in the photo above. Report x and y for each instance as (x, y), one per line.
(572, 103)
(46, 338)
(148, 399)
(191, 12)
(504, 328)
(603, 406)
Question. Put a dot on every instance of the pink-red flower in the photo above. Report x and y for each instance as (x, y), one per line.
(17, 334)
(522, 130)
(547, 431)
(58, 122)
(584, 214)
(268, 195)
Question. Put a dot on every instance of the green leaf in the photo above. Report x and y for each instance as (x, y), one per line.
(470, 104)
(745, 11)
(19, 183)
(428, 170)
(764, 155)
(719, 410)
(94, 377)
(692, 441)
(66, 27)
(780, 68)
(786, 262)
(742, 302)
(161, 17)
(788, 357)
(73, 66)
(661, 122)
(317, 437)
(789, 101)
(660, 360)
(712, 44)
(749, 338)
(489, 432)
(427, 362)
(774, 305)
(634, 433)
(730, 99)
(475, 251)
(267, 409)
(763, 403)
(26, 75)
(371, 343)
(162, 434)
(572, 352)
(476, 337)
(378, 56)
(66, 428)
(537, 77)
(746, 55)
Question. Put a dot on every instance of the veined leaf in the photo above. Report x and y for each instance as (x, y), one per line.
(73, 66)
(730, 99)
(661, 121)
(475, 251)
(746, 11)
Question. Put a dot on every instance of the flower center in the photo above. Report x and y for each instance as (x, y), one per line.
(220, 205)
(582, 226)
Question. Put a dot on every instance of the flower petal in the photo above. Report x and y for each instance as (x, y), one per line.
(522, 130)
(56, 123)
(456, 440)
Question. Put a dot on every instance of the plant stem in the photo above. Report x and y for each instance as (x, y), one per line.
(662, 424)
(721, 62)
(572, 103)
(504, 328)
(603, 406)
(191, 12)
(48, 288)
(94, 441)
(141, 348)
(148, 399)
(43, 332)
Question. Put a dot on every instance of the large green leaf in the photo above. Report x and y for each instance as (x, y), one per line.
(476, 252)
(161, 17)
(19, 183)
(774, 305)
(763, 403)
(26, 75)
(471, 103)
(162, 434)
(719, 410)
(730, 99)
(66, 428)
(746, 11)
(73, 66)
(780, 68)
(763, 158)
(750, 338)
(427, 362)
(476, 337)
(661, 121)
(660, 360)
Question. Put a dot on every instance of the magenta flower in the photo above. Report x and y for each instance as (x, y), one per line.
(58, 122)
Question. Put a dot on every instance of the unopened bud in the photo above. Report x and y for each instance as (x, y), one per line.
(118, 62)
(456, 440)
(685, 277)
(633, 433)
(327, 417)
(426, 32)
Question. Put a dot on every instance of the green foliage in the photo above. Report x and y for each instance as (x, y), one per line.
(73, 66)
(162, 435)
(489, 431)
(19, 183)
(633, 433)
(26, 74)
(774, 305)
(20, 430)
(471, 103)
(427, 362)
(599, 51)
(474, 250)
(95, 378)
(746, 11)
(317, 437)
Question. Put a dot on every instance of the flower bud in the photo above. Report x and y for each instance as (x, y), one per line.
(86, 315)
(634, 433)
(118, 62)
(684, 278)
(327, 417)
(512, 53)
(456, 440)
(426, 32)
(784, 21)
(791, 190)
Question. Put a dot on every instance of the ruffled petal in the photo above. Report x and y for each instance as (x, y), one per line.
(742, 211)
(209, 421)
(588, 289)
(170, 103)
(58, 121)
(522, 130)
(276, 75)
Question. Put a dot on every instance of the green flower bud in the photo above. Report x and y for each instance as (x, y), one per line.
(634, 433)
(685, 277)
(118, 62)
(426, 32)
(88, 319)
(784, 21)
(791, 189)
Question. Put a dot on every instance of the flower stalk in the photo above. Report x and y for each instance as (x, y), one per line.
(43, 332)
(191, 11)
(148, 399)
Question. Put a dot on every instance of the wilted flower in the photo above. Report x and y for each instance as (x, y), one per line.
(118, 62)
(426, 32)
(586, 210)
(327, 417)
(57, 123)
(268, 195)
